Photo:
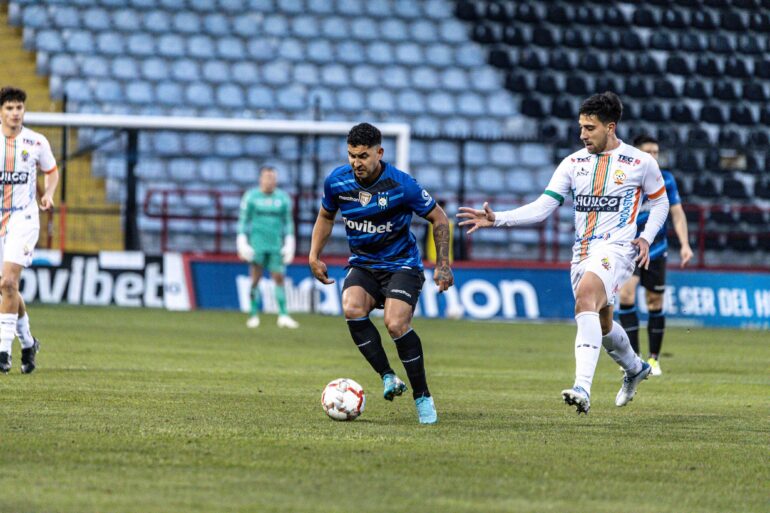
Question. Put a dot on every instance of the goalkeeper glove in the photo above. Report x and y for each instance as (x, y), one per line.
(245, 251)
(288, 249)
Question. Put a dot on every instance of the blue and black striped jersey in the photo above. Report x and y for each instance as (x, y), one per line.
(659, 246)
(377, 217)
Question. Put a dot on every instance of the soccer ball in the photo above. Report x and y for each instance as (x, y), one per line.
(343, 399)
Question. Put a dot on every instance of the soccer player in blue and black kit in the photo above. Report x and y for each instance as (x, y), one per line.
(653, 279)
(377, 201)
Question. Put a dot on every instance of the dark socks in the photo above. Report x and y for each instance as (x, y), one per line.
(410, 352)
(368, 340)
(630, 322)
(656, 326)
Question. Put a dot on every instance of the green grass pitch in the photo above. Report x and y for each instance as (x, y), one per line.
(150, 411)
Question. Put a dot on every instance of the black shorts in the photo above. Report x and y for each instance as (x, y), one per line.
(654, 277)
(405, 285)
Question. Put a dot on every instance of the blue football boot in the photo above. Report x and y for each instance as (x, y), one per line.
(426, 410)
(392, 386)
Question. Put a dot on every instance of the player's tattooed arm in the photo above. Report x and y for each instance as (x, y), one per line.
(442, 274)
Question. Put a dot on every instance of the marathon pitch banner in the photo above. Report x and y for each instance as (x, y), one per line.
(692, 297)
(122, 278)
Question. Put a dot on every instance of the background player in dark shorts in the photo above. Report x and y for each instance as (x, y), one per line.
(653, 279)
(377, 202)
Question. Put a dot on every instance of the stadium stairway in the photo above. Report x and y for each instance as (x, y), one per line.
(85, 233)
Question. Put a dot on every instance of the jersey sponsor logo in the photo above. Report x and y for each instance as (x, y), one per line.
(602, 236)
(368, 226)
(619, 177)
(582, 159)
(28, 142)
(347, 198)
(627, 205)
(426, 197)
(588, 203)
(13, 177)
(400, 291)
(364, 198)
(629, 161)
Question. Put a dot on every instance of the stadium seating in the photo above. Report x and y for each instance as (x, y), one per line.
(481, 69)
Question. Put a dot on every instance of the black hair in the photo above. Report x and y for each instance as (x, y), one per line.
(364, 134)
(644, 139)
(606, 106)
(12, 94)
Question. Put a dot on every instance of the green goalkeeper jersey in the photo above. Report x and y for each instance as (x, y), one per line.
(265, 219)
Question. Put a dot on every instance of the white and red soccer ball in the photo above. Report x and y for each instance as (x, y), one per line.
(343, 399)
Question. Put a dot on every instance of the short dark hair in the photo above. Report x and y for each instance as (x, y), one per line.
(606, 106)
(364, 134)
(12, 94)
(639, 140)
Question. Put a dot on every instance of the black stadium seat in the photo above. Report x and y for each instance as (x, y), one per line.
(576, 84)
(732, 21)
(712, 113)
(620, 63)
(725, 90)
(499, 12)
(703, 19)
(759, 21)
(514, 36)
(678, 65)
(752, 216)
(664, 88)
(762, 67)
(742, 115)
(682, 113)
(653, 112)
(708, 66)
(562, 108)
(673, 18)
(605, 39)
(614, 17)
(720, 43)
(574, 38)
(696, 89)
(559, 15)
(532, 107)
(499, 58)
(647, 64)
(668, 135)
(755, 92)
(704, 187)
(645, 17)
(517, 82)
(764, 115)
(734, 189)
(698, 137)
(630, 40)
(692, 42)
(736, 67)
(762, 189)
(560, 60)
(637, 87)
(586, 15)
(545, 37)
(466, 10)
(484, 34)
(729, 138)
(527, 12)
(607, 83)
(760, 139)
(589, 61)
(662, 41)
(530, 59)
(547, 84)
(749, 44)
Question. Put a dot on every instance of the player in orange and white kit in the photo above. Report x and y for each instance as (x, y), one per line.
(22, 153)
(606, 179)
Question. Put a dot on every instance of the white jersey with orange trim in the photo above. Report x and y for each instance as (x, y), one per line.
(607, 190)
(21, 157)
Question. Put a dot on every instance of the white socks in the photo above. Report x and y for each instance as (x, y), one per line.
(617, 345)
(23, 332)
(7, 331)
(587, 343)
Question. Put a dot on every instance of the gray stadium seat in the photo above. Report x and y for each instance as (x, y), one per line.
(230, 95)
(276, 73)
(350, 100)
(216, 72)
(80, 41)
(217, 24)
(185, 70)
(231, 48)
(200, 94)
(320, 51)
(260, 97)
(172, 45)
(63, 65)
(157, 22)
(305, 27)
(170, 93)
(140, 92)
(260, 50)
(214, 170)
(201, 47)
(186, 22)
(141, 44)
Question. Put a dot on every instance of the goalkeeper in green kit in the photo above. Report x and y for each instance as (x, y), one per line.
(266, 241)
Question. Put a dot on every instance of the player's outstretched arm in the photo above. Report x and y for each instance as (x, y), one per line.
(324, 224)
(475, 219)
(442, 274)
(51, 181)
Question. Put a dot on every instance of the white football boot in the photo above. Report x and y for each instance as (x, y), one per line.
(253, 322)
(628, 390)
(284, 321)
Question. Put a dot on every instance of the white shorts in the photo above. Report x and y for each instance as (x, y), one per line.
(17, 242)
(613, 266)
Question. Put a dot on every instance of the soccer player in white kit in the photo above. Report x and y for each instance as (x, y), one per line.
(23, 153)
(606, 180)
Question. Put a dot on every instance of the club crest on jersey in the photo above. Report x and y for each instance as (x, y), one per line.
(606, 263)
(620, 177)
(364, 198)
(24, 155)
(382, 200)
